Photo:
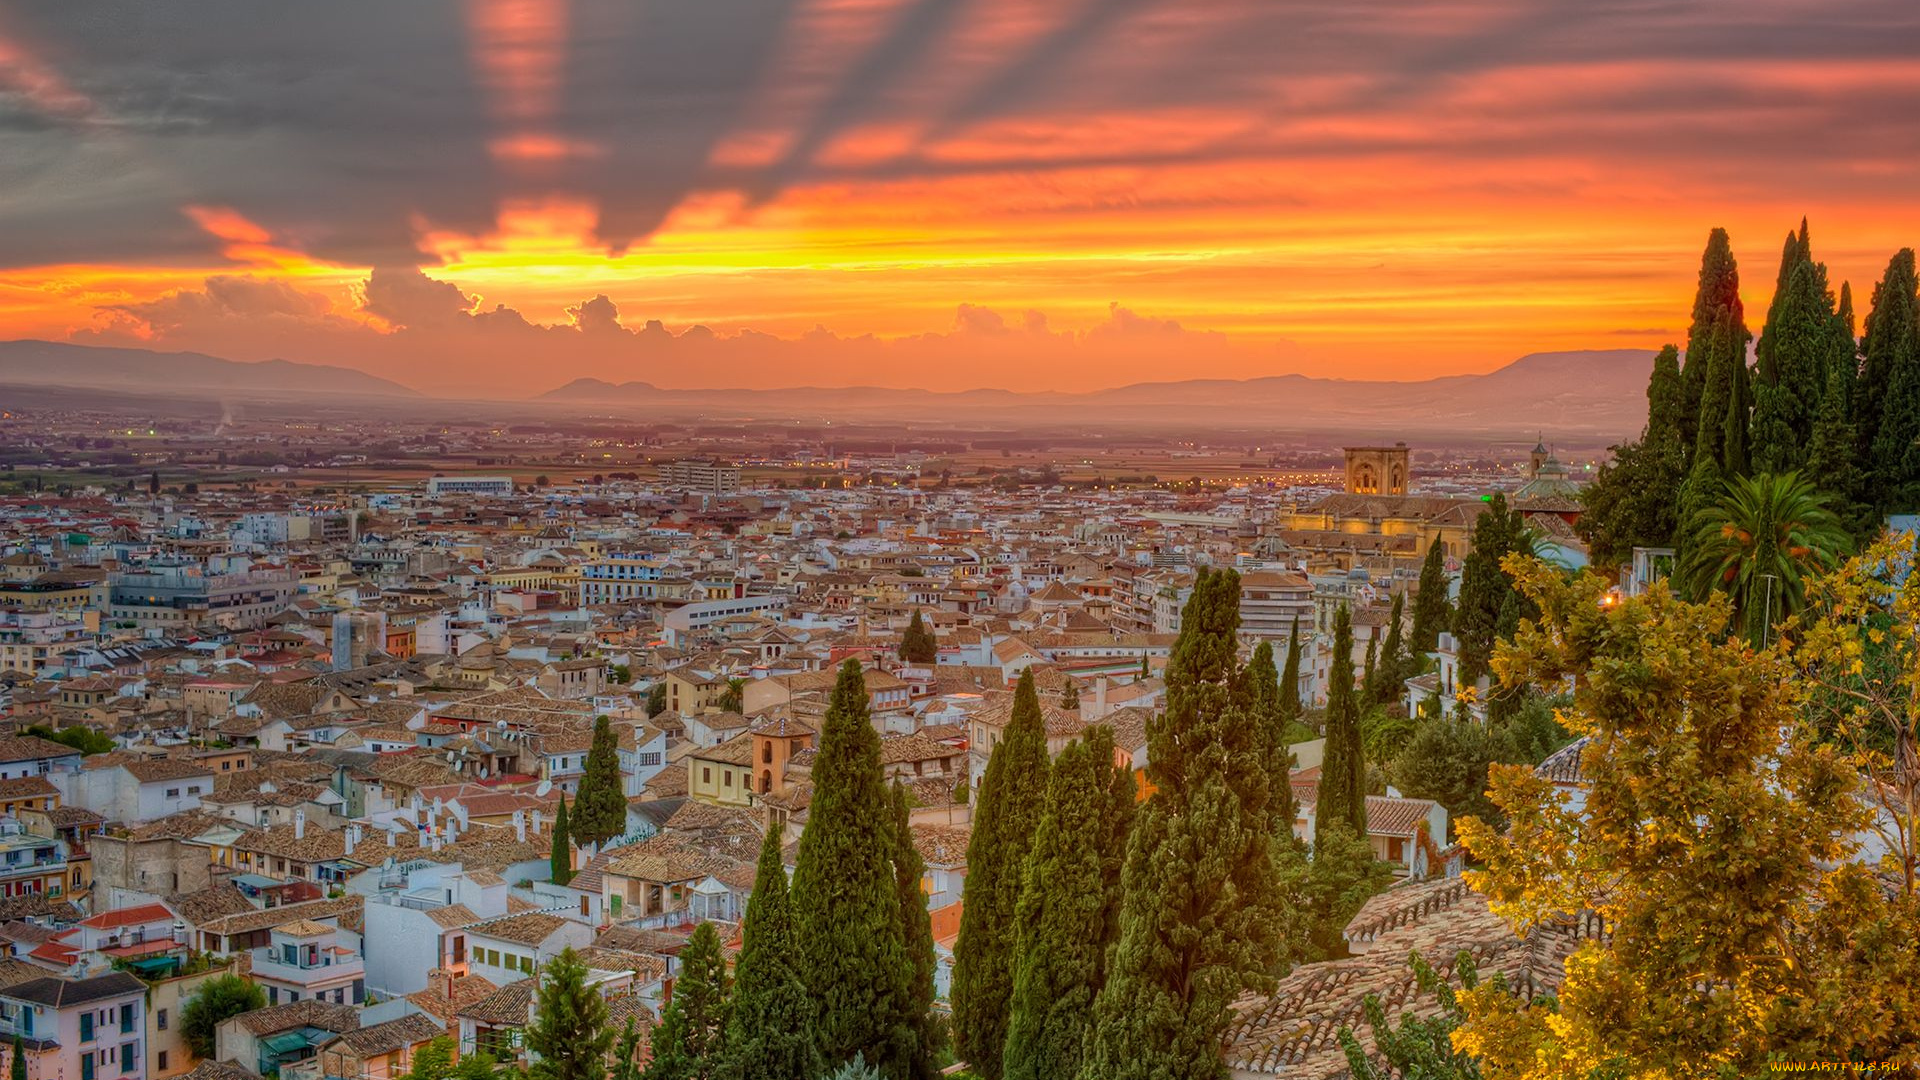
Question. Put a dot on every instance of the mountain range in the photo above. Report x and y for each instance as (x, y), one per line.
(1584, 393)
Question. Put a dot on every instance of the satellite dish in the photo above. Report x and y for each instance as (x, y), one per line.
(545, 787)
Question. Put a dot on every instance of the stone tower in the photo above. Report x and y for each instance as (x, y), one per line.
(1377, 470)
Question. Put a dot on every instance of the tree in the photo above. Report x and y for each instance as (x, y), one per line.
(1328, 888)
(1065, 911)
(1802, 341)
(1633, 500)
(656, 699)
(560, 858)
(1498, 531)
(770, 1033)
(918, 645)
(1070, 697)
(846, 909)
(1263, 701)
(1832, 450)
(1343, 786)
(1202, 915)
(733, 698)
(1717, 294)
(1390, 668)
(1890, 384)
(1759, 544)
(916, 934)
(434, 1061)
(1446, 760)
(1430, 607)
(690, 1041)
(626, 1052)
(1289, 701)
(82, 738)
(17, 1063)
(600, 804)
(569, 1032)
(1010, 798)
(218, 1000)
(153, 483)
(1717, 844)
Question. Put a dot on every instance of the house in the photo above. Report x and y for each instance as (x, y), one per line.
(304, 959)
(90, 1029)
(138, 791)
(31, 864)
(265, 1041)
(515, 946)
(30, 755)
(381, 1051)
(167, 1052)
(1409, 833)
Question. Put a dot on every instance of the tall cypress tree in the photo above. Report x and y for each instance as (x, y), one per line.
(1832, 452)
(1289, 703)
(917, 644)
(1263, 697)
(1008, 809)
(1633, 500)
(1202, 917)
(1392, 671)
(845, 907)
(916, 934)
(1797, 347)
(600, 806)
(560, 859)
(569, 1031)
(1430, 607)
(1064, 913)
(1718, 290)
(690, 1042)
(1891, 384)
(770, 1031)
(1343, 769)
(1498, 531)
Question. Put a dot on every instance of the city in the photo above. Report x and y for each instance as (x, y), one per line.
(894, 540)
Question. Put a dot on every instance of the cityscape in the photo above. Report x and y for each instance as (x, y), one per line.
(772, 540)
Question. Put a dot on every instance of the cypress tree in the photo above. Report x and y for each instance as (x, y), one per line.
(1484, 585)
(600, 806)
(1008, 809)
(770, 1031)
(17, 1064)
(918, 644)
(1832, 451)
(1066, 911)
(1263, 695)
(569, 1031)
(1718, 290)
(1202, 915)
(1289, 703)
(1891, 378)
(916, 933)
(1430, 607)
(1797, 346)
(1370, 674)
(846, 912)
(1070, 697)
(690, 1042)
(1343, 770)
(1734, 449)
(560, 859)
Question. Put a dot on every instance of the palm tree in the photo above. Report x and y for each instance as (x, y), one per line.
(1758, 544)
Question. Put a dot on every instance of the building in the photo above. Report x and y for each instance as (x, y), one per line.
(1377, 470)
(30, 641)
(685, 622)
(439, 487)
(307, 960)
(175, 597)
(701, 476)
(79, 1029)
(1271, 602)
(620, 578)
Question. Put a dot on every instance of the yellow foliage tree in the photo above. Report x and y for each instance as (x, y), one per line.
(1719, 842)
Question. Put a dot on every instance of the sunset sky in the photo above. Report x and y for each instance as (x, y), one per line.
(495, 196)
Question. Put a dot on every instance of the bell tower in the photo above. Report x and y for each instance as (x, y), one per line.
(1377, 470)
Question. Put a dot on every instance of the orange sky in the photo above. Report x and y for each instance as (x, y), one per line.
(911, 192)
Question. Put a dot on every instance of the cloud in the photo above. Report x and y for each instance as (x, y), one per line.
(408, 299)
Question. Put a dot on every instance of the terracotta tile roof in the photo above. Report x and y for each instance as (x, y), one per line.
(526, 928)
(385, 1038)
(452, 916)
(298, 1014)
(508, 1005)
(942, 845)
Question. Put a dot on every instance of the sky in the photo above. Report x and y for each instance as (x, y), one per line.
(492, 197)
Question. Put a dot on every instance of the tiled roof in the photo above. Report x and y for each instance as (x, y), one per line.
(507, 1005)
(385, 1038)
(526, 928)
(324, 1015)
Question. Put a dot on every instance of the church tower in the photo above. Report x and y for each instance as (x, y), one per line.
(1377, 470)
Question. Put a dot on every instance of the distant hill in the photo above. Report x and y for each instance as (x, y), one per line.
(1598, 392)
(53, 363)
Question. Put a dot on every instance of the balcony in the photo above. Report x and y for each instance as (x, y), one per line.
(339, 969)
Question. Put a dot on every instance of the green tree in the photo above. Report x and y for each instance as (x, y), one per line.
(1263, 701)
(770, 1033)
(1446, 760)
(1066, 907)
(918, 645)
(434, 1061)
(1070, 697)
(1202, 915)
(733, 698)
(1633, 500)
(1431, 611)
(656, 699)
(626, 1052)
(1498, 531)
(1760, 544)
(846, 909)
(1342, 796)
(1390, 671)
(1832, 451)
(560, 858)
(1289, 701)
(1890, 378)
(17, 1063)
(1008, 810)
(1717, 843)
(569, 1032)
(600, 804)
(1328, 886)
(1802, 340)
(690, 1041)
(916, 933)
(218, 1000)
(1716, 298)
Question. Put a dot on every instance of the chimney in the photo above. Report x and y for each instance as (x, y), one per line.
(520, 825)
(1099, 698)
(299, 824)
(460, 811)
(437, 807)
(536, 822)
(391, 833)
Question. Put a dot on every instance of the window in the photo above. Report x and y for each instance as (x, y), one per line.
(526, 965)
(160, 1020)
(193, 789)
(86, 1027)
(649, 759)
(127, 1058)
(727, 777)
(706, 775)
(160, 1060)
(173, 793)
(126, 1018)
